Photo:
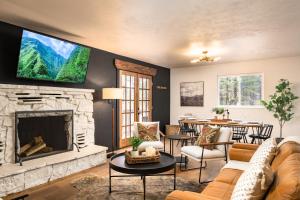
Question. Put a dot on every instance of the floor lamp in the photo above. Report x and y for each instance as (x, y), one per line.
(112, 95)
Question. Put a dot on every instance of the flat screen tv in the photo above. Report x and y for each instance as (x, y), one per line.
(47, 58)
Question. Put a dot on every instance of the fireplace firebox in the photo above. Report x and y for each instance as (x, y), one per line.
(42, 133)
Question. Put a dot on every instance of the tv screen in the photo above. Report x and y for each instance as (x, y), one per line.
(46, 58)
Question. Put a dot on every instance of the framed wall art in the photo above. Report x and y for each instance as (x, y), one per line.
(192, 93)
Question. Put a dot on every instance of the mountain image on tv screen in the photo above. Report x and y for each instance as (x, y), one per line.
(46, 58)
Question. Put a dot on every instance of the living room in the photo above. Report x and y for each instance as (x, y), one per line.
(149, 99)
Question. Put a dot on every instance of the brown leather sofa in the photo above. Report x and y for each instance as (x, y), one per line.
(286, 185)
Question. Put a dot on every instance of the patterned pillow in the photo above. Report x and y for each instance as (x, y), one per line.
(147, 132)
(209, 135)
(253, 183)
(265, 152)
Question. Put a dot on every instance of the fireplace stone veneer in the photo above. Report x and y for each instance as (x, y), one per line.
(14, 98)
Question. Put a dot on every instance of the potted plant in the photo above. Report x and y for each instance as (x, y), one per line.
(135, 142)
(218, 111)
(281, 103)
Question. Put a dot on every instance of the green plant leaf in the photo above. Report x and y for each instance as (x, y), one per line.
(281, 103)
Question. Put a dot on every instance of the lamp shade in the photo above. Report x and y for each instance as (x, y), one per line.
(112, 93)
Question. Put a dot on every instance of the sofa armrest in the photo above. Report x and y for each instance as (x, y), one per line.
(245, 146)
(186, 195)
(241, 154)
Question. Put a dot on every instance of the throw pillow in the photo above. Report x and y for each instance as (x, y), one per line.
(147, 132)
(265, 152)
(209, 135)
(253, 183)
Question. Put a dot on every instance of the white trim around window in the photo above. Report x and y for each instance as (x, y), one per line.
(238, 76)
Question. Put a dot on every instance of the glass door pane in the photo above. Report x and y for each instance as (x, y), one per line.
(127, 107)
(145, 98)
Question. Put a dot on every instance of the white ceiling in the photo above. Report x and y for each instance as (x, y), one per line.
(167, 32)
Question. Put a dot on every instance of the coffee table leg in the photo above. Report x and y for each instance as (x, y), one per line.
(175, 177)
(172, 142)
(144, 186)
(170, 146)
(109, 179)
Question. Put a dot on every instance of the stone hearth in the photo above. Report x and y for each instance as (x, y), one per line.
(14, 98)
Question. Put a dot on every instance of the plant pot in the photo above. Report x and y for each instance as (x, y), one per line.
(134, 153)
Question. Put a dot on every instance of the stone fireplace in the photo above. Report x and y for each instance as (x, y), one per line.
(42, 133)
(40, 126)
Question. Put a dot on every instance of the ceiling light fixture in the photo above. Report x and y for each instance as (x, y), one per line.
(205, 58)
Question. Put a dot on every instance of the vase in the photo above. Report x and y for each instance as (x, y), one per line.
(134, 153)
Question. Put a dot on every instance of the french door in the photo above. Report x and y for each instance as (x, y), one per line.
(136, 104)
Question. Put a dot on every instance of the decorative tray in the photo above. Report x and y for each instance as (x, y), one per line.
(141, 159)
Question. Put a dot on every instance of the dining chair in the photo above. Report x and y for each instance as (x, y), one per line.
(256, 130)
(262, 133)
(188, 129)
(239, 133)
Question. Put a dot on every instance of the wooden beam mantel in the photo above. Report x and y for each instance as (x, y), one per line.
(132, 67)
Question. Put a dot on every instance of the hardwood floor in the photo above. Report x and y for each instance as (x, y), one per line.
(62, 190)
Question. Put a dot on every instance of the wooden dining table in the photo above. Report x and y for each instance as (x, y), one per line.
(256, 127)
(224, 124)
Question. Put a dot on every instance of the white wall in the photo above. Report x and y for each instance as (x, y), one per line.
(273, 70)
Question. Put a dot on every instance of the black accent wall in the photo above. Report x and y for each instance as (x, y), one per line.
(101, 73)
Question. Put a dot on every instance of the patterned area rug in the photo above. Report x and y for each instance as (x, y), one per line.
(131, 188)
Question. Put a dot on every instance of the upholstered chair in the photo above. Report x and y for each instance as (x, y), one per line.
(201, 154)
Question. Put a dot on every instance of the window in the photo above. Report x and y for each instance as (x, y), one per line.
(240, 90)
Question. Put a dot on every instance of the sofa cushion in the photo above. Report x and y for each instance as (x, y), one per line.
(229, 176)
(287, 180)
(196, 151)
(265, 152)
(245, 146)
(241, 154)
(253, 183)
(283, 152)
(235, 164)
(187, 195)
(218, 190)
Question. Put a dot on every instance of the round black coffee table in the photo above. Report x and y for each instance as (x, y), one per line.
(118, 163)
